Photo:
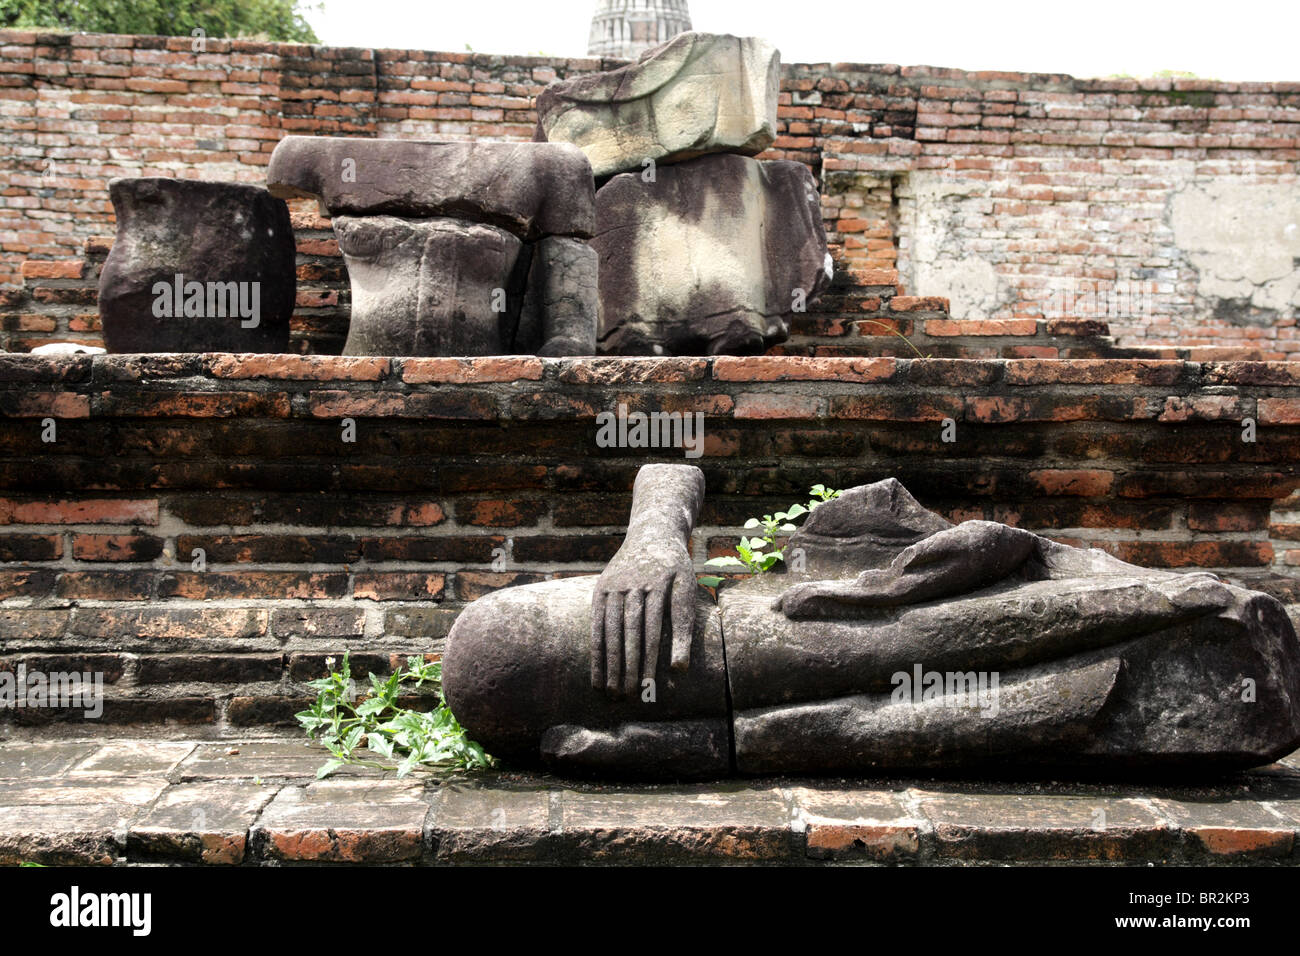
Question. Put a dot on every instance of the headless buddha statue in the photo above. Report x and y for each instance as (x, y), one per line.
(906, 643)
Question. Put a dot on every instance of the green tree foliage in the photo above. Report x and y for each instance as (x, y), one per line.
(262, 19)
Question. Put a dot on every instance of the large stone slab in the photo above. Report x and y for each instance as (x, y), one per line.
(699, 93)
(529, 189)
(713, 257)
(731, 822)
(197, 267)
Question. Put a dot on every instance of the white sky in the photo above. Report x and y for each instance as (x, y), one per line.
(1237, 40)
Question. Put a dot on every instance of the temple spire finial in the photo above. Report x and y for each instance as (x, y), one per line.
(627, 28)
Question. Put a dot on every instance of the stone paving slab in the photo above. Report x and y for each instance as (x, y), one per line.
(843, 822)
(1058, 827)
(132, 757)
(276, 760)
(259, 802)
(199, 822)
(40, 759)
(344, 821)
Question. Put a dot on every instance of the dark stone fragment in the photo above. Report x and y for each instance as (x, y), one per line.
(232, 247)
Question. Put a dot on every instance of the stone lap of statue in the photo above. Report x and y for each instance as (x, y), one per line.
(907, 644)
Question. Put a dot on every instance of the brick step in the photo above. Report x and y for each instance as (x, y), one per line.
(257, 802)
(472, 475)
(215, 670)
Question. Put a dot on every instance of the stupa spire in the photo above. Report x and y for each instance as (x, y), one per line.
(627, 28)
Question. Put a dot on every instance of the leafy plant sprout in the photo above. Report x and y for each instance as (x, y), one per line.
(413, 738)
(758, 554)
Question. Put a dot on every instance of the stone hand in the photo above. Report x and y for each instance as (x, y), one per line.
(644, 588)
(810, 598)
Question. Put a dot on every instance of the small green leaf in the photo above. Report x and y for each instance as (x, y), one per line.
(328, 768)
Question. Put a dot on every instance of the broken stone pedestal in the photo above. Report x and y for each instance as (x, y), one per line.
(197, 267)
(455, 248)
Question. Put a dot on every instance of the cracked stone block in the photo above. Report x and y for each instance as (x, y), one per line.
(197, 267)
(714, 257)
(1078, 828)
(560, 308)
(199, 822)
(125, 793)
(848, 824)
(344, 821)
(730, 821)
(529, 189)
(699, 93)
(62, 835)
(71, 821)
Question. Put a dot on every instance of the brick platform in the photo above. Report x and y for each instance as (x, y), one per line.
(256, 802)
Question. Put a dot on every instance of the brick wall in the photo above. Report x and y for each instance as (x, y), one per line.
(1013, 195)
(470, 475)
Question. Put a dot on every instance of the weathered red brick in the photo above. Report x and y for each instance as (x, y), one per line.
(1093, 372)
(79, 511)
(1228, 515)
(764, 368)
(116, 547)
(1279, 411)
(980, 327)
(438, 404)
(471, 585)
(398, 585)
(321, 368)
(457, 371)
(779, 406)
(500, 513)
(620, 371)
(1084, 482)
(32, 269)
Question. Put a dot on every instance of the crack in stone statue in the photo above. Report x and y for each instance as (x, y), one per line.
(455, 248)
(1095, 665)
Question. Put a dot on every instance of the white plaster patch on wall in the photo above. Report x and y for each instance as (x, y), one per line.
(935, 260)
(1243, 239)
